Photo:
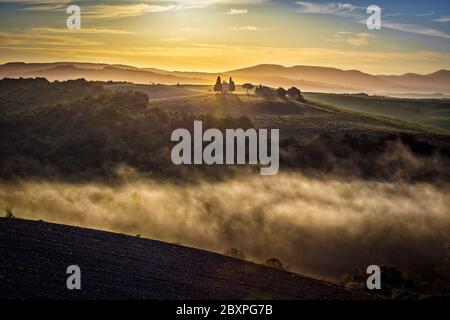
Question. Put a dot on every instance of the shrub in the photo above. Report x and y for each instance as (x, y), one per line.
(275, 263)
(9, 213)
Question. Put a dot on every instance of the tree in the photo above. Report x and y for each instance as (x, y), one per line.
(258, 90)
(232, 86)
(248, 86)
(265, 92)
(295, 93)
(281, 92)
(218, 85)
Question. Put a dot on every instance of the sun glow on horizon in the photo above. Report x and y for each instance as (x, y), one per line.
(217, 36)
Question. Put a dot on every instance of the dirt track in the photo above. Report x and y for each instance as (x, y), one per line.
(35, 255)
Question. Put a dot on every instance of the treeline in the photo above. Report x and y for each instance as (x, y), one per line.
(89, 138)
(20, 94)
(269, 93)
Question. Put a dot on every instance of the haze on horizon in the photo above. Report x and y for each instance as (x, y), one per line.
(221, 35)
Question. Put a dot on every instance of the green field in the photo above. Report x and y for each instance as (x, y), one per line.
(431, 112)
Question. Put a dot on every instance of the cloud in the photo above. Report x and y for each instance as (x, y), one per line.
(358, 40)
(336, 9)
(385, 15)
(359, 15)
(82, 30)
(138, 9)
(43, 39)
(361, 39)
(245, 28)
(416, 29)
(236, 11)
(55, 7)
(443, 19)
(424, 14)
(133, 10)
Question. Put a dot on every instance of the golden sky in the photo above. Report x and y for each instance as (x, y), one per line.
(218, 35)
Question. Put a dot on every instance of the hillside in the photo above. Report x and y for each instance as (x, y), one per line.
(433, 112)
(302, 120)
(79, 131)
(35, 256)
(347, 80)
(308, 78)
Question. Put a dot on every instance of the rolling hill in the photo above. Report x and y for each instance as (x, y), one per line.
(308, 78)
(354, 80)
(116, 124)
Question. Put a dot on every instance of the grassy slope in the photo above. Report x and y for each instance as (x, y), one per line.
(300, 120)
(430, 112)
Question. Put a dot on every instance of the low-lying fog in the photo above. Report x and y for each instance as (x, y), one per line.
(320, 227)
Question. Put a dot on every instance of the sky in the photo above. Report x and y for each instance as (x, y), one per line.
(221, 35)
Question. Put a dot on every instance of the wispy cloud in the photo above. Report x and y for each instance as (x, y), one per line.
(45, 7)
(45, 30)
(245, 28)
(426, 14)
(132, 10)
(336, 9)
(355, 39)
(138, 9)
(52, 41)
(358, 14)
(443, 19)
(416, 29)
(236, 11)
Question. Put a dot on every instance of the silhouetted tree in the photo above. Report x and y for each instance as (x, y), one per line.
(218, 85)
(295, 93)
(265, 92)
(232, 86)
(248, 86)
(281, 92)
(258, 90)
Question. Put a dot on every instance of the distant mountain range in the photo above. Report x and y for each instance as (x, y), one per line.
(307, 78)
